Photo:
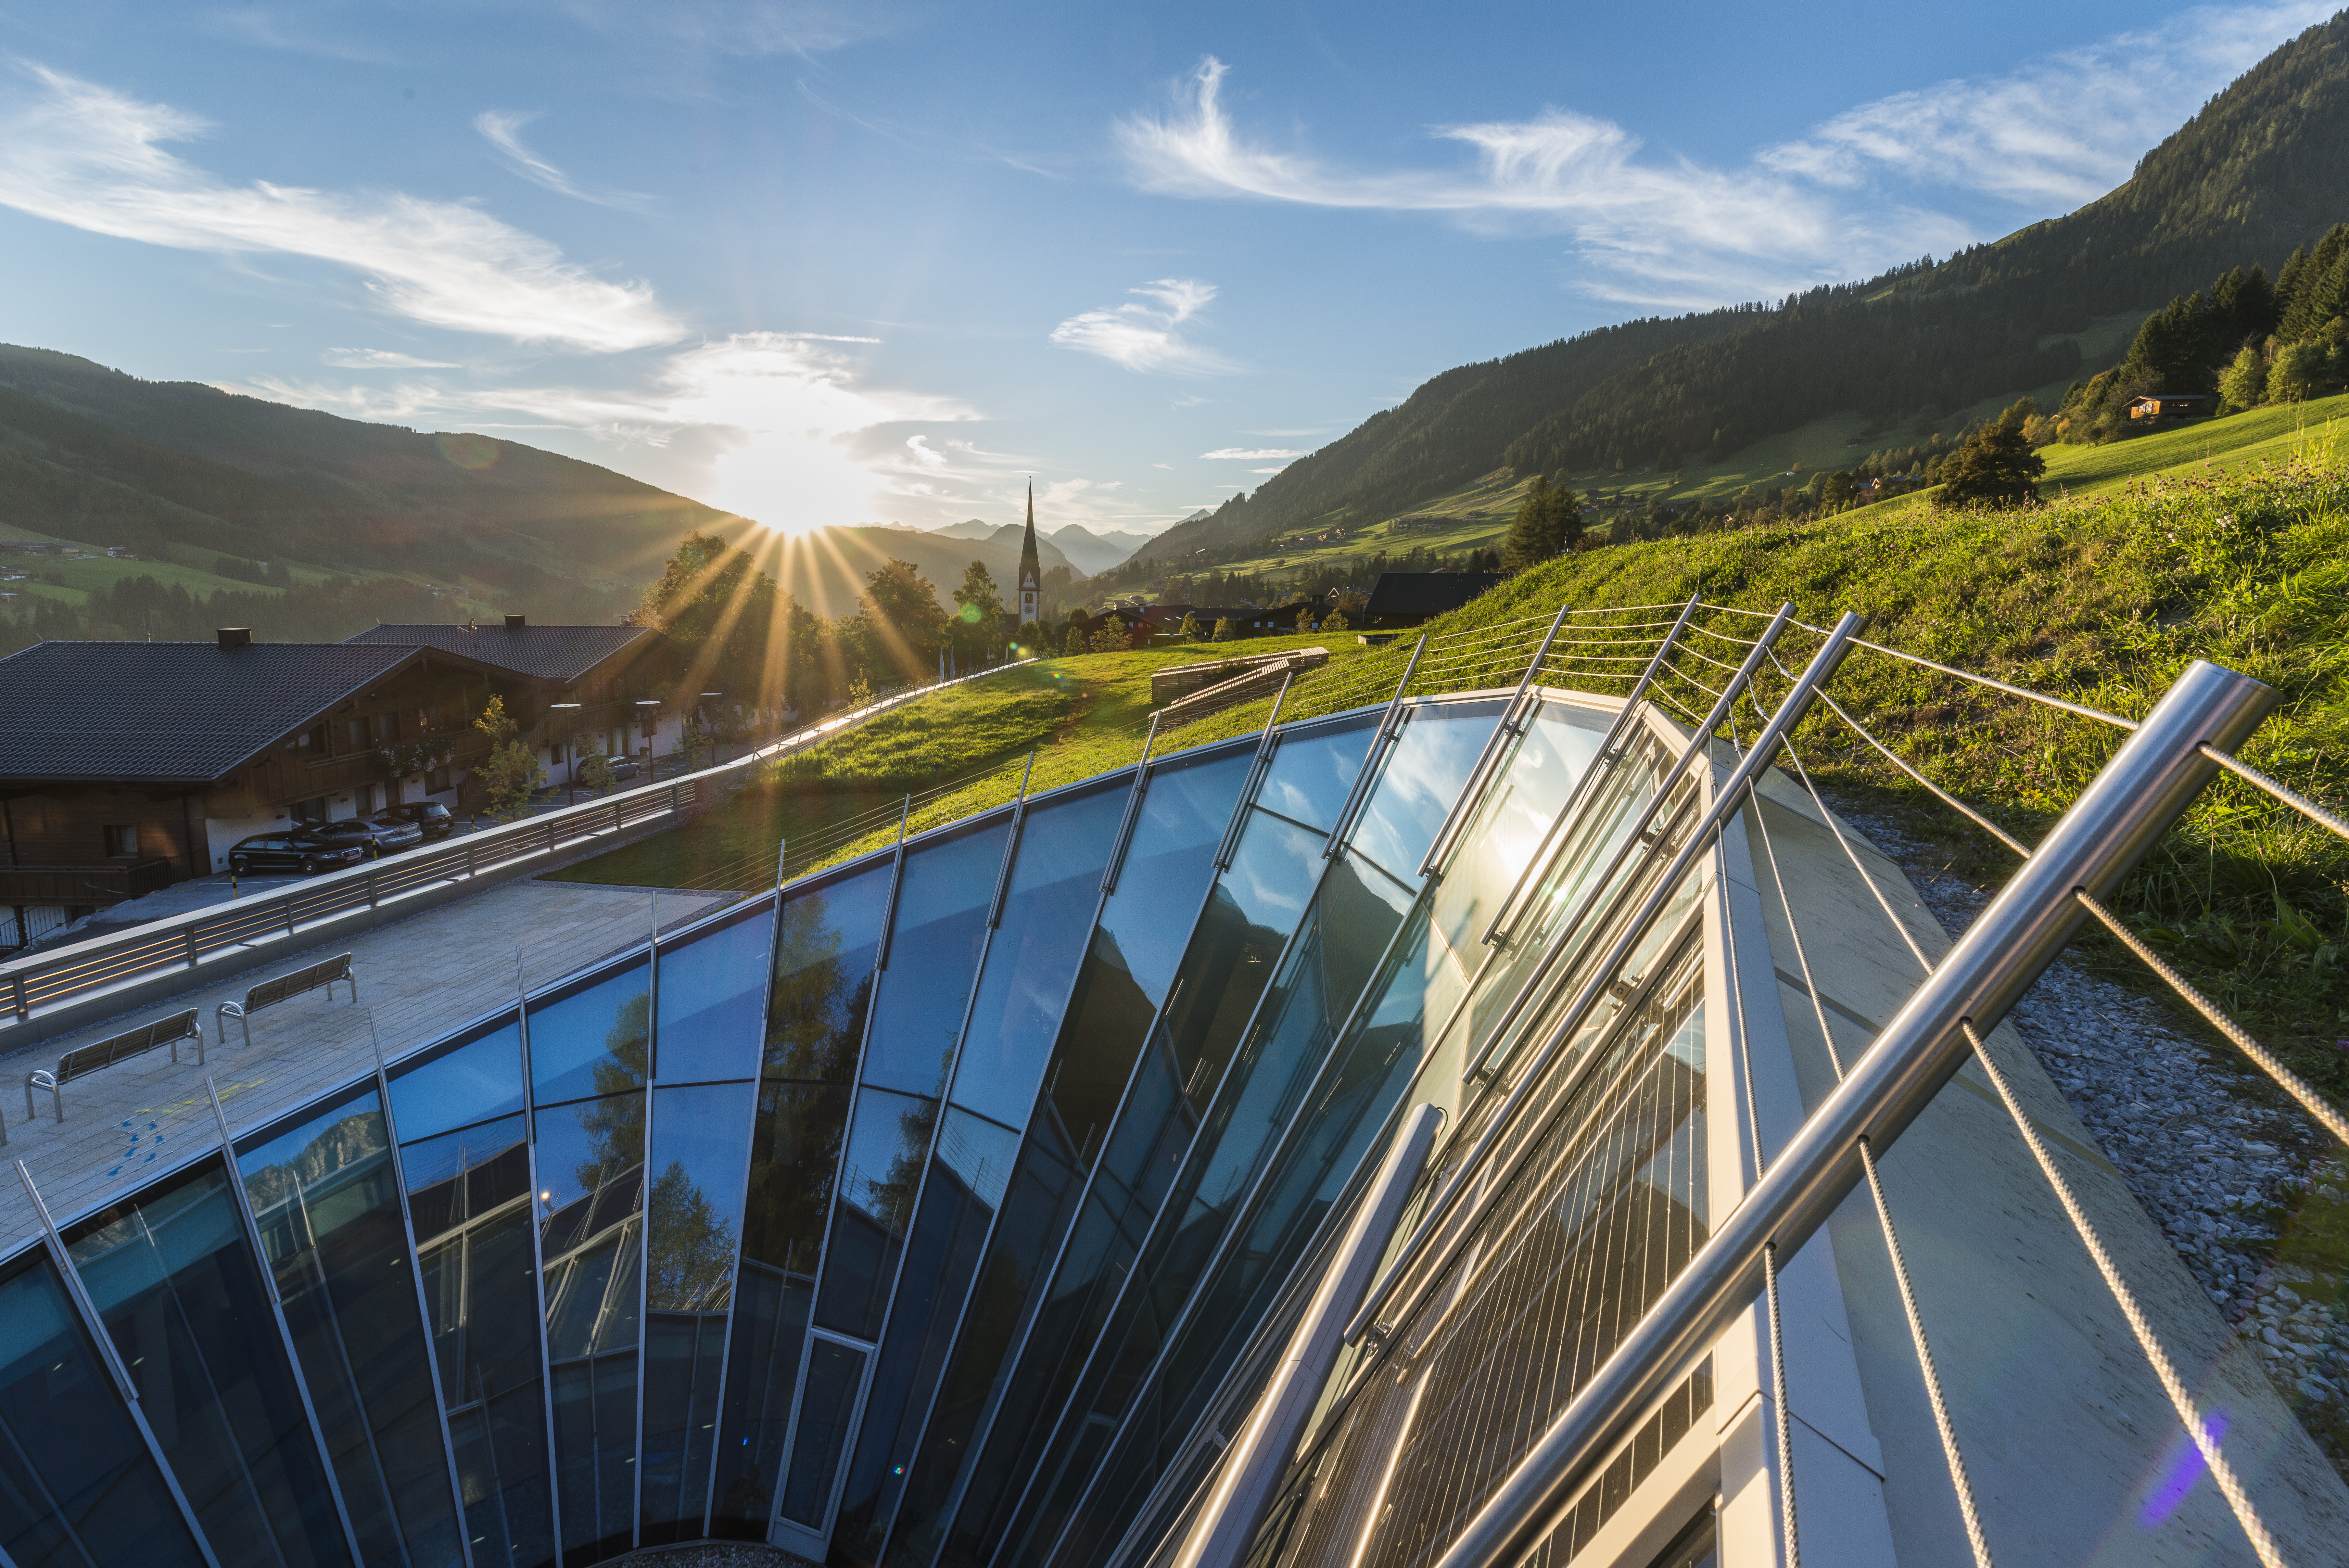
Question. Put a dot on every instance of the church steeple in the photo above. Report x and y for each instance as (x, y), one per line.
(1031, 578)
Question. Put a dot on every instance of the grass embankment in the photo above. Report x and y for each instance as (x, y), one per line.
(1081, 715)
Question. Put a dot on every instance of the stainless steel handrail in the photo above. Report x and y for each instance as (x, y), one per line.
(2126, 808)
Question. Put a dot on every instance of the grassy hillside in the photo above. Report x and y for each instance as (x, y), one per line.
(2255, 173)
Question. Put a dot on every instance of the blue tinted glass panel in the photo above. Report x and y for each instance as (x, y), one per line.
(701, 1142)
(796, 1147)
(77, 1487)
(835, 1371)
(591, 1179)
(922, 995)
(178, 1288)
(593, 1041)
(1418, 781)
(1047, 912)
(878, 1183)
(1163, 875)
(713, 1000)
(323, 1195)
(1312, 776)
(968, 1175)
(823, 976)
(471, 1082)
(699, 1168)
(469, 1198)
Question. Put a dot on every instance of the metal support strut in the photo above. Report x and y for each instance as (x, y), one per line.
(2123, 812)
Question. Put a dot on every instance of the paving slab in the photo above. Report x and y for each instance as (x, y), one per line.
(417, 979)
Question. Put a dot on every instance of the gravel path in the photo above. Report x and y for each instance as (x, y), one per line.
(2216, 1166)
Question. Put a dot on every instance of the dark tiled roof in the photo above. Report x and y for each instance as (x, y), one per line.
(1426, 593)
(169, 712)
(558, 653)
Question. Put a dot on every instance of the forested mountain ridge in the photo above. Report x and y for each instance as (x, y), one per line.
(91, 455)
(2258, 171)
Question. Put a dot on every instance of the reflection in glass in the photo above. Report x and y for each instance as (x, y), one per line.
(796, 1147)
(878, 1184)
(176, 1285)
(591, 1179)
(77, 1486)
(322, 1191)
(834, 1372)
(1166, 870)
(700, 1149)
(713, 998)
(591, 1041)
(473, 1080)
(469, 1201)
(1311, 774)
(1418, 781)
(823, 976)
(1055, 888)
(968, 1175)
(939, 926)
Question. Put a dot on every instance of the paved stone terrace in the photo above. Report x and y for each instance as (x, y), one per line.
(420, 977)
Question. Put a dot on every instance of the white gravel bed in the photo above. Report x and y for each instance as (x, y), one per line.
(2211, 1163)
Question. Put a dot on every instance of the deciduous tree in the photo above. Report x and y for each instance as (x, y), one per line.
(1996, 467)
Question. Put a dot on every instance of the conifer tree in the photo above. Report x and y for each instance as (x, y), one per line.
(1996, 467)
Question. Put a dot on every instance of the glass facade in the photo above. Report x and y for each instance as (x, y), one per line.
(922, 1213)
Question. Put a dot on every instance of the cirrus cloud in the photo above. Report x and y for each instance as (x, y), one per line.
(1143, 335)
(85, 155)
(1251, 453)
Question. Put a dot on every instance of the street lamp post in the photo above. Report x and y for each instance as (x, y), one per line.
(570, 770)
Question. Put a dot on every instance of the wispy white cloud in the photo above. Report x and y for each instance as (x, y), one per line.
(85, 155)
(383, 359)
(754, 27)
(1144, 334)
(264, 29)
(1861, 191)
(502, 127)
(1251, 453)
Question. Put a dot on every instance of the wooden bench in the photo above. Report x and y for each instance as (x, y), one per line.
(285, 987)
(83, 1060)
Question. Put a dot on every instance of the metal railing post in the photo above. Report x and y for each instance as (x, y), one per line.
(1251, 1477)
(1381, 739)
(188, 941)
(2119, 816)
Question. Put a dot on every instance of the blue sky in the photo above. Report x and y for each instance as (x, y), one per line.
(824, 263)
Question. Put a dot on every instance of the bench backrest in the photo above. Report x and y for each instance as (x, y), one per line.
(132, 1042)
(269, 992)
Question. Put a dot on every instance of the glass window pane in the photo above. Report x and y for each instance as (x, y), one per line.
(596, 1454)
(322, 1191)
(1055, 888)
(1312, 776)
(940, 923)
(887, 1149)
(472, 1081)
(796, 1147)
(591, 1178)
(1165, 875)
(823, 976)
(77, 1486)
(701, 1138)
(592, 1041)
(712, 1001)
(834, 1371)
(1508, 824)
(1418, 781)
(176, 1285)
(968, 1175)
(700, 1156)
(470, 1201)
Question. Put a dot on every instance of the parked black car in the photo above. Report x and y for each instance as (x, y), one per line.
(429, 816)
(389, 836)
(305, 849)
